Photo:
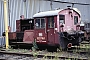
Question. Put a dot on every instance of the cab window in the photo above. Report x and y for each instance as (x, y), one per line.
(75, 20)
(62, 19)
(40, 23)
(51, 22)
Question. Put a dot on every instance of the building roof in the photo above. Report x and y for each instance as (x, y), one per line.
(53, 13)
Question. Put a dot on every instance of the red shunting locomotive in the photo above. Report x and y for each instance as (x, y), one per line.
(57, 28)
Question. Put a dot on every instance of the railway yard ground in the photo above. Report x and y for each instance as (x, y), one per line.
(81, 52)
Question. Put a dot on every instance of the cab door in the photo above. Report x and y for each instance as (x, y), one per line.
(39, 31)
(50, 30)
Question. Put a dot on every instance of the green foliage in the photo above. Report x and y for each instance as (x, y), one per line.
(10, 47)
(56, 57)
(45, 56)
(34, 45)
(35, 54)
(60, 49)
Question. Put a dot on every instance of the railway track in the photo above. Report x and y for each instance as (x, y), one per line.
(6, 55)
(78, 53)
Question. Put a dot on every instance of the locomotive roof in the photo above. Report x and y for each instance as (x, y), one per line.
(53, 13)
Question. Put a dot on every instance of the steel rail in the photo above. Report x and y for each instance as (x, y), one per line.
(41, 55)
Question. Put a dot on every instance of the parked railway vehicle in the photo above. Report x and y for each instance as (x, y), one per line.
(87, 31)
(57, 28)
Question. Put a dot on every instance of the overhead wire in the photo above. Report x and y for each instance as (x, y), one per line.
(68, 2)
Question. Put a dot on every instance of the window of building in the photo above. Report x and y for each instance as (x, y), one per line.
(51, 22)
(87, 25)
(75, 20)
(40, 23)
(62, 19)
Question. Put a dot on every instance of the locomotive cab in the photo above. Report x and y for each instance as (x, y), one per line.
(58, 28)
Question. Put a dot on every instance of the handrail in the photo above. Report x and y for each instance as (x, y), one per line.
(45, 27)
(54, 28)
